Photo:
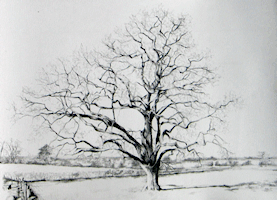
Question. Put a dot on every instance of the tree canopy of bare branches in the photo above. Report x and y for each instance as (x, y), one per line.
(148, 68)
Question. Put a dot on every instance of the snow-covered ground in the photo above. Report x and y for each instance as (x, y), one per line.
(249, 182)
(30, 172)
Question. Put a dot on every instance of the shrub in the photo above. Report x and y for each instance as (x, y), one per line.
(233, 163)
(248, 162)
(265, 163)
(44, 153)
(220, 164)
(135, 163)
(95, 164)
(210, 164)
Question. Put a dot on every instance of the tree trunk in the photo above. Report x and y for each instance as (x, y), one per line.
(152, 175)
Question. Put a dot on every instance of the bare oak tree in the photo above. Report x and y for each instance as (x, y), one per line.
(149, 69)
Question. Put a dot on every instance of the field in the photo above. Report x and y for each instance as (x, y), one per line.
(239, 182)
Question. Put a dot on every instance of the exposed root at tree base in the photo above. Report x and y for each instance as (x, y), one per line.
(157, 188)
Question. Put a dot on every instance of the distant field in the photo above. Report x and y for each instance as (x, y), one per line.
(193, 182)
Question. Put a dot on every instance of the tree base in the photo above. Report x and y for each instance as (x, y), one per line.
(154, 188)
(152, 177)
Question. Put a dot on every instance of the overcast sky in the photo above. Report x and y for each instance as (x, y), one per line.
(241, 37)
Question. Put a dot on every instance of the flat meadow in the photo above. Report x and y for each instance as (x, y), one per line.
(221, 182)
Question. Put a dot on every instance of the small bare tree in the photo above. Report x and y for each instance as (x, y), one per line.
(149, 69)
(10, 150)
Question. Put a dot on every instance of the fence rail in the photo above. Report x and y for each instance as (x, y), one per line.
(20, 189)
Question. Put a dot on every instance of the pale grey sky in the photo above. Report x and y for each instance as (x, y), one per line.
(240, 35)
